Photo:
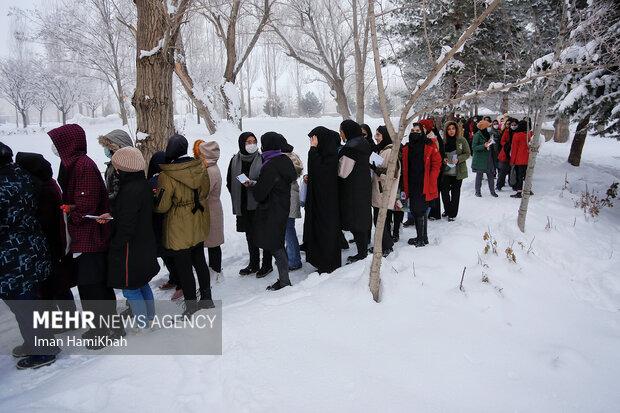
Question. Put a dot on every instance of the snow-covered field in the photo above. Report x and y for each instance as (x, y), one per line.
(542, 335)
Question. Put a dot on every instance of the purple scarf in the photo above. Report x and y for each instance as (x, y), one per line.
(269, 155)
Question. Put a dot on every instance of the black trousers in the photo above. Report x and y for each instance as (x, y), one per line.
(386, 241)
(173, 277)
(95, 294)
(215, 258)
(361, 241)
(520, 171)
(23, 306)
(503, 172)
(185, 261)
(399, 216)
(255, 254)
(451, 195)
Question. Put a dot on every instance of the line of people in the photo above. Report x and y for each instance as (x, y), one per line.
(101, 234)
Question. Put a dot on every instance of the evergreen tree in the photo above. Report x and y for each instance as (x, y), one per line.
(310, 105)
(273, 106)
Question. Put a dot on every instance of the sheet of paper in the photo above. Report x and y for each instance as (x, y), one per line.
(243, 178)
(376, 159)
(97, 217)
(303, 190)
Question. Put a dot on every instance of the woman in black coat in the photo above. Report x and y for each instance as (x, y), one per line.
(322, 224)
(272, 192)
(355, 186)
(58, 286)
(132, 258)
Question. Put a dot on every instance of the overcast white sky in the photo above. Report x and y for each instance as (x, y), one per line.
(5, 20)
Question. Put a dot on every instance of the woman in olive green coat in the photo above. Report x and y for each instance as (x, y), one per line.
(183, 191)
(483, 147)
(455, 168)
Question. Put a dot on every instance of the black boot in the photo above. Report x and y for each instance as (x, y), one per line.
(250, 269)
(34, 362)
(205, 299)
(263, 272)
(419, 229)
(422, 239)
(278, 285)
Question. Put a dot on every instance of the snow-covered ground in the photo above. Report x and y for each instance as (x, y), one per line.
(541, 335)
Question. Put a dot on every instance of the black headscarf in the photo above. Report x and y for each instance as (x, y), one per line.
(35, 164)
(273, 141)
(242, 139)
(176, 148)
(351, 129)
(6, 155)
(329, 140)
(368, 131)
(387, 139)
(157, 159)
(522, 126)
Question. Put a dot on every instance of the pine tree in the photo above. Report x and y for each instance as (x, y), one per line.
(310, 105)
(273, 106)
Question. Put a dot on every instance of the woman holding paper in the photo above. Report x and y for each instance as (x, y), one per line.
(380, 186)
(246, 165)
(455, 168)
(482, 162)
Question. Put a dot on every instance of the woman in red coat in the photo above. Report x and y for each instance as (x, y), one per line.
(503, 156)
(421, 165)
(520, 154)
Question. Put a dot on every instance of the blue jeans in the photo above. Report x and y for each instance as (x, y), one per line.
(292, 245)
(142, 304)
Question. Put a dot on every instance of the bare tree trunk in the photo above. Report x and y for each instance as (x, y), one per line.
(121, 101)
(579, 140)
(342, 105)
(249, 100)
(153, 96)
(41, 117)
(504, 105)
(64, 116)
(561, 129)
(24, 118)
(360, 64)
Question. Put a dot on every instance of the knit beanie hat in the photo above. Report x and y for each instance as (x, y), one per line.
(210, 150)
(429, 124)
(483, 124)
(128, 159)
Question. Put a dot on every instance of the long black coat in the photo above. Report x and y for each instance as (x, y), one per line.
(355, 191)
(273, 194)
(132, 259)
(322, 224)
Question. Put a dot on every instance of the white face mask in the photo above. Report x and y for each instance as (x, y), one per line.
(54, 150)
(489, 129)
(495, 126)
(251, 148)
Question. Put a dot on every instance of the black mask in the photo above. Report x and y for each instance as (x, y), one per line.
(416, 136)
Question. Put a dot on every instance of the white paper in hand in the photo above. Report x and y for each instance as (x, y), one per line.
(97, 217)
(303, 190)
(243, 178)
(376, 159)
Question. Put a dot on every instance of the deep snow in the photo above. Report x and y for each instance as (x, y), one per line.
(542, 335)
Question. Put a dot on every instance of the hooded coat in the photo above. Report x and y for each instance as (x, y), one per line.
(152, 176)
(430, 169)
(132, 258)
(52, 222)
(24, 256)
(459, 146)
(321, 224)
(520, 151)
(183, 190)
(482, 156)
(85, 189)
(273, 194)
(210, 152)
(113, 141)
(355, 191)
(242, 199)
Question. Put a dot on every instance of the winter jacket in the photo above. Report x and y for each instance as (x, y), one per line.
(85, 190)
(432, 165)
(216, 213)
(520, 152)
(504, 144)
(183, 190)
(132, 258)
(480, 161)
(113, 141)
(295, 202)
(355, 189)
(463, 153)
(51, 218)
(379, 181)
(24, 256)
(273, 194)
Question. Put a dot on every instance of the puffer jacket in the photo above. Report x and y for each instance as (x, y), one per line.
(24, 256)
(183, 191)
(295, 202)
(113, 141)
